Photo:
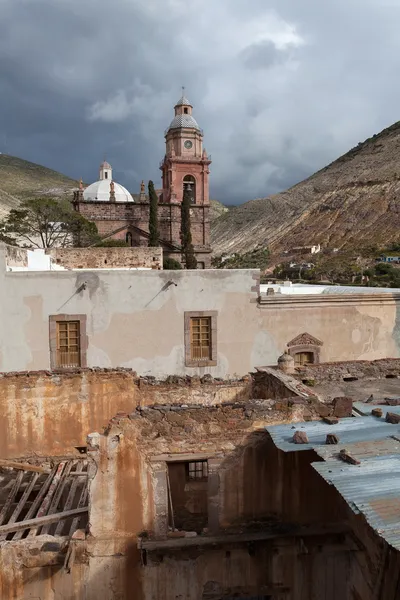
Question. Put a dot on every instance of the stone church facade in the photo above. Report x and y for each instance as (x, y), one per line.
(118, 215)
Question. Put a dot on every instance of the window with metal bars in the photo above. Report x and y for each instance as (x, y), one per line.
(68, 352)
(200, 338)
(197, 470)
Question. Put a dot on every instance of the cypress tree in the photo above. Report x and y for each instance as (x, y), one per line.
(188, 255)
(154, 237)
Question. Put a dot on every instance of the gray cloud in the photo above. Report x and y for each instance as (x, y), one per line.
(280, 88)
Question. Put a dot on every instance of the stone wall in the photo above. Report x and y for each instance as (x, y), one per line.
(111, 216)
(107, 258)
(51, 414)
(348, 370)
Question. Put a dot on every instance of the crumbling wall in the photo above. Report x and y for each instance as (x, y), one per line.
(107, 258)
(16, 257)
(357, 369)
(51, 413)
(253, 486)
(33, 569)
(273, 383)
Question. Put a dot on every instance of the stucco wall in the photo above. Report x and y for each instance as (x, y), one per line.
(136, 320)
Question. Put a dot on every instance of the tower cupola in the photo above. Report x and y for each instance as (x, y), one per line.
(105, 171)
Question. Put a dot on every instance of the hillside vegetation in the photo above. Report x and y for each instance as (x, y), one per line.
(20, 179)
(352, 203)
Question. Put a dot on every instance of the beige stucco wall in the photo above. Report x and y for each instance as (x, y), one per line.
(136, 320)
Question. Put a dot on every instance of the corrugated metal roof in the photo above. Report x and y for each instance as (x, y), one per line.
(349, 431)
(361, 450)
(371, 488)
(365, 409)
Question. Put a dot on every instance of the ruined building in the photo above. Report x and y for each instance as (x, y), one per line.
(118, 215)
(152, 449)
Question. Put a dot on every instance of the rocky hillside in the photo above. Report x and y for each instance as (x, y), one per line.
(217, 209)
(354, 202)
(21, 179)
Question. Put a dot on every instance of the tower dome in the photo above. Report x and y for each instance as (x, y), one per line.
(105, 189)
(183, 116)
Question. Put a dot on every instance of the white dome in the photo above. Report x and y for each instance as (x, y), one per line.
(100, 192)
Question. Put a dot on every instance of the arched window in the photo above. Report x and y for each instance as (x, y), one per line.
(128, 238)
(189, 183)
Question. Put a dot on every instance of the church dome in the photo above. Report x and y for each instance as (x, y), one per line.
(100, 192)
(180, 121)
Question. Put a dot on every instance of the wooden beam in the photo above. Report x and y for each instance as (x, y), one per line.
(23, 466)
(22, 501)
(11, 497)
(49, 496)
(70, 498)
(36, 503)
(239, 538)
(42, 520)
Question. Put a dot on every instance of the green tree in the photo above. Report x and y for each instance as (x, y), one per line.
(171, 264)
(154, 239)
(45, 223)
(188, 255)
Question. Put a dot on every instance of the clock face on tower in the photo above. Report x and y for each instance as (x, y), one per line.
(188, 144)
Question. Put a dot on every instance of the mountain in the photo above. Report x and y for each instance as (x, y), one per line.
(217, 209)
(21, 179)
(354, 202)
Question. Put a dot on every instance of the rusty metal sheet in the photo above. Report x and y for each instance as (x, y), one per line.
(371, 488)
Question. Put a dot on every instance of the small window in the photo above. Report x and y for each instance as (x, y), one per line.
(304, 358)
(201, 338)
(197, 471)
(67, 341)
(105, 175)
(185, 110)
(68, 344)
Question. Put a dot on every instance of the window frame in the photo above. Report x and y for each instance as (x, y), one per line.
(298, 363)
(53, 337)
(204, 468)
(211, 361)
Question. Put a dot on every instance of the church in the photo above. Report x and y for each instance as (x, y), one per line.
(120, 215)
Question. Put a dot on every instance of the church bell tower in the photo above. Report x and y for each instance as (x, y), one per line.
(186, 164)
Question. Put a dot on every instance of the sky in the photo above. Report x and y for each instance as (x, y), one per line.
(280, 87)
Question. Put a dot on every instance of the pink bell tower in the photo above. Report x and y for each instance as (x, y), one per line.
(186, 163)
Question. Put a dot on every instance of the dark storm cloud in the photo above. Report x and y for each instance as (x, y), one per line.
(280, 88)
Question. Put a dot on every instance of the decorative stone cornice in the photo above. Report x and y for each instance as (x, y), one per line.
(305, 339)
(317, 301)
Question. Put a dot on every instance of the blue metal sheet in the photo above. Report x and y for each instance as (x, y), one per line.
(350, 430)
(365, 409)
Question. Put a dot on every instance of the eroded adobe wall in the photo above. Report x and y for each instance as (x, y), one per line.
(51, 413)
